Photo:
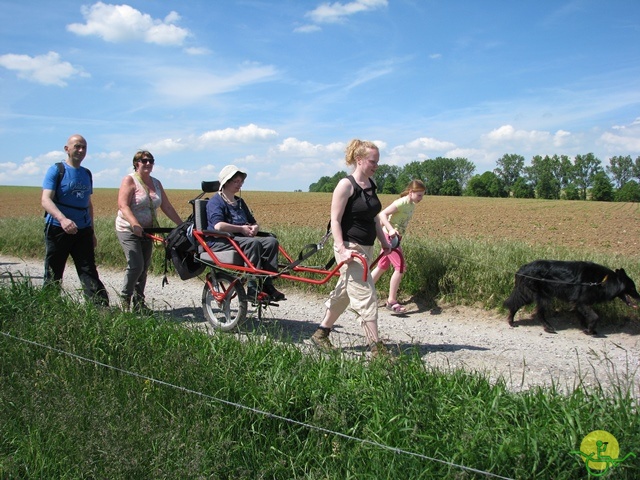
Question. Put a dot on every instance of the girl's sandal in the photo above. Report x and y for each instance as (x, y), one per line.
(396, 307)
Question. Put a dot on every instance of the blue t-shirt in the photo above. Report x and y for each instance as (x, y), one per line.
(72, 195)
(220, 211)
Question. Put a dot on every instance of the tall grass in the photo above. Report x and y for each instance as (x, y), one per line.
(455, 270)
(88, 393)
(463, 271)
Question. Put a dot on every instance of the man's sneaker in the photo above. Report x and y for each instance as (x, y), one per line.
(321, 339)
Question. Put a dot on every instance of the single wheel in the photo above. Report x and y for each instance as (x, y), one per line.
(224, 303)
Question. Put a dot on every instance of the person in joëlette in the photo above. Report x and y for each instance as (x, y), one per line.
(394, 220)
(228, 212)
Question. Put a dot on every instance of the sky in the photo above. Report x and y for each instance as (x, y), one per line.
(280, 87)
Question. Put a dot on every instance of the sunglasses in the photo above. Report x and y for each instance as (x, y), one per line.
(147, 160)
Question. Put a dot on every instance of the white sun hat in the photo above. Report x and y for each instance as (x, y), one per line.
(228, 172)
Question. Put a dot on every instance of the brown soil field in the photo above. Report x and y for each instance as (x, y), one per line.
(603, 227)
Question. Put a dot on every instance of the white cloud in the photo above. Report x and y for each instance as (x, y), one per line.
(426, 143)
(45, 160)
(194, 51)
(635, 123)
(301, 148)
(507, 139)
(31, 169)
(337, 12)
(630, 143)
(246, 134)
(193, 85)
(44, 69)
(560, 138)
(419, 149)
(366, 75)
(167, 145)
(625, 138)
(507, 134)
(307, 29)
(122, 23)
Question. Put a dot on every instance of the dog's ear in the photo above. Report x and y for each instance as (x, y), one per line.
(620, 271)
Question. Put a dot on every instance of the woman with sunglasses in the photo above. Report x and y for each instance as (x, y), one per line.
(139, 197)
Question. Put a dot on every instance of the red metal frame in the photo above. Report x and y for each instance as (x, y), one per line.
(251, 269)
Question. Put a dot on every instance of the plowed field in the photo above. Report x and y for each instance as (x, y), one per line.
(594, 226)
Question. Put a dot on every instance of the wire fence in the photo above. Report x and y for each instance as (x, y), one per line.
(256, 411)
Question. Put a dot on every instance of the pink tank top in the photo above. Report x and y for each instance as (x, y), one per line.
(143, 205)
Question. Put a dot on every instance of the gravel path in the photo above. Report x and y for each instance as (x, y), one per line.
(449, 337)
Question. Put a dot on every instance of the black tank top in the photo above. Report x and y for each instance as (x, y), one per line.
(358, 220)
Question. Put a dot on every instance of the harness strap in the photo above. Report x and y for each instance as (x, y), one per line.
(309, 250)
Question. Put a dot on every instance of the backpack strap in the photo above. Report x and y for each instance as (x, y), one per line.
(357, 190)
(59, 177)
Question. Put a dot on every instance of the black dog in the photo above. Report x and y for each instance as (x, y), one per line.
(579, 283)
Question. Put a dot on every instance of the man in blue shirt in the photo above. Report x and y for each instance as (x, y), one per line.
(69, 222)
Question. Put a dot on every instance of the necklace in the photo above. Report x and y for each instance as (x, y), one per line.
(154, 217)
(226, 199)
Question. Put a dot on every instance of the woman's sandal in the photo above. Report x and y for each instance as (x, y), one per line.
(396, 307)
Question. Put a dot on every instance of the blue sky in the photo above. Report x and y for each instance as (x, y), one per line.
(280, 87)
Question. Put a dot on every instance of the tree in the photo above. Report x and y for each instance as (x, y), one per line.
(636, 168)
(629, 192)
(451, 188)
(571, 192)
(621, 169)
(464, 170)
(437, 172)
(585, 169)
(565, 172)
(509, 169)
(486, 185)
(440, 171)
(523, 189)
(602, 190)
(386, 177)
(544, 173)
(327, 184)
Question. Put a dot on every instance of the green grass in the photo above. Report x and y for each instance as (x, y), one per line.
(166, 401)
(87, 393)
(456, 270)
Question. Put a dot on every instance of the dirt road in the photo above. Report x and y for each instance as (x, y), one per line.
(451, 337)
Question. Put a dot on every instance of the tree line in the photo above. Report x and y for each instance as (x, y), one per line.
(550, 177)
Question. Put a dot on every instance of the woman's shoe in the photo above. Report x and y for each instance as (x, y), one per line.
(275, 294)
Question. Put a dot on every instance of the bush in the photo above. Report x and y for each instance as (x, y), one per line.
(602, 190)
(629, 192)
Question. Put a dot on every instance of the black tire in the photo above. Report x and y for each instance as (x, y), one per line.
(229, 313)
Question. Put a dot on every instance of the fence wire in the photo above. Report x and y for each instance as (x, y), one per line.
(257, 411)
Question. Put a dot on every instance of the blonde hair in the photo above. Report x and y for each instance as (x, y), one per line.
(414, 186)
(358, 149)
